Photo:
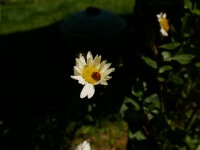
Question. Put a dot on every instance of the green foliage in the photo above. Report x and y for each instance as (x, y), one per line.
(197, 64)
(196, 11)
(150, 62)
(177, 80)
(139, 135)
(165, 68)
(169, 114)
(127, 102)
(170, 46)
(183, 58)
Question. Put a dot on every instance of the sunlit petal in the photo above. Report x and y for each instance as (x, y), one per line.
(102, 65)
(79, 64)
(106, 66)
(89, 59)
(83, 146)
(104, 82)
(77, 71)
(82, 59)
(91, 91)
(97, 61)
(88, 90)
(163, 32)
(107, 72)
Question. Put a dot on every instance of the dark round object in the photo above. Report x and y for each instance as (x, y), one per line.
(92, 22)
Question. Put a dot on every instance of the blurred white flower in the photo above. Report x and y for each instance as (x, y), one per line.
(83, 146)
(90, 72)
(164, 23)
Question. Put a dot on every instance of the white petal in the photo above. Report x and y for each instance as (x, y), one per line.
(86, 145)
(103, 82)
(82, 59)
(76, 77)
(89, 57)
(84, 91)
(80, 79)
(77, 71)
(164, 15)
(79, 64)
(106, 66)
(97, 61)
(108, 77)
(164, 33)
(89, 61)
(158, 16)
(83, 146)
(88, 90)
(102, 65)
(91, 92)
(107, 72)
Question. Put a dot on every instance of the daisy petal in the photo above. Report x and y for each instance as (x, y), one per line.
(89, 61)
(96, 61)
(158, 16)
(83, 146)
(82, 59)
(164, 15)
(108, 77)
(88, 89)
(91, 92)
(164, 33)
(80, 79)
(89, 58)
(103, 82)
(76, 77)
(77, 71)
(107, 72)
(79, 64)
(105, 67)
(102, 65)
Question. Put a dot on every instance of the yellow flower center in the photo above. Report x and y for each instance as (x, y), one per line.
(165, 24)
(91, 74)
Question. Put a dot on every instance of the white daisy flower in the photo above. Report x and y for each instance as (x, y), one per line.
(164, 23)
(83, 146)
(91, 72)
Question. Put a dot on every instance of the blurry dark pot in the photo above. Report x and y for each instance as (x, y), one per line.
(93, 28)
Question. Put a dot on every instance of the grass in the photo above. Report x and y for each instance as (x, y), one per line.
(22, 15)
(110, 135)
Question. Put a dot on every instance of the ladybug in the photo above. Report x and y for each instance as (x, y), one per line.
(96, 76)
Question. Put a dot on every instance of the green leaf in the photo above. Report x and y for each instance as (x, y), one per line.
(139, 135)
(197, 64)
(131, 101)
(177, 80)
(153, 101)
(183, 58)
(188, 4)
(150, 62)
(170, 46)
(160, 79)
(138, 94)
(126, 104)
(166, 56)
(165, 68)
(196, 11)
(123, 109)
